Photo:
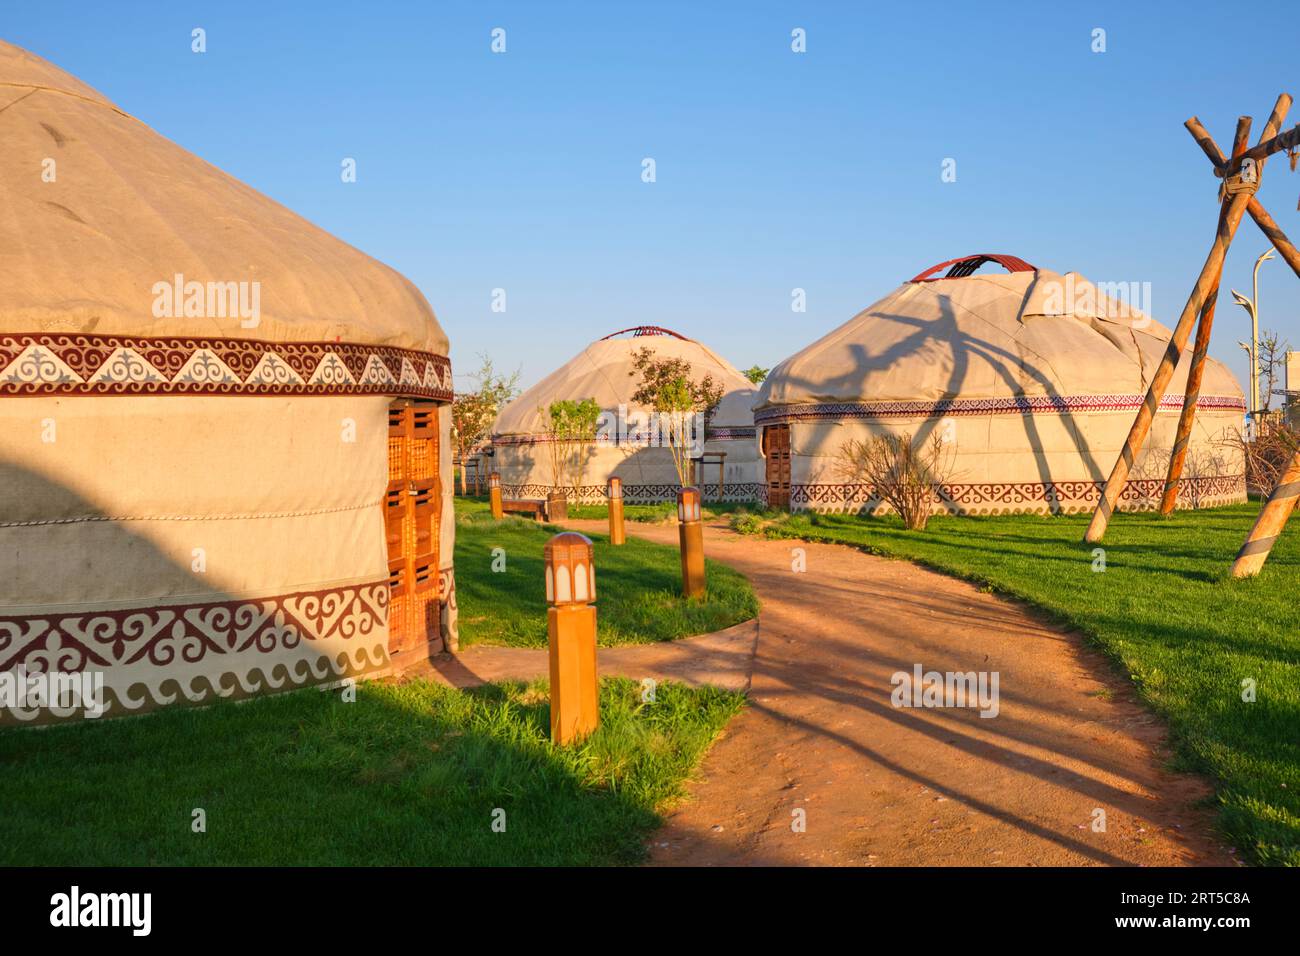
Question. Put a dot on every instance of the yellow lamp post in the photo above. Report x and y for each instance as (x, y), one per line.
(615, 495)
(494, 495)
(690, 532)
(571, 635)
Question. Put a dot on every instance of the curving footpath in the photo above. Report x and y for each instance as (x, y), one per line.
(821, 768)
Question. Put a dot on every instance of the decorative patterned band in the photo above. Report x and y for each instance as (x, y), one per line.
(83, 364)
(161, 688)
(730, 434)
(641, 494)
(631, 441)
(1028, 495)
(71, 641)
(1016, 405)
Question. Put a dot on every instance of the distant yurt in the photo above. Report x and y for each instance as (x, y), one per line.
(727, 469)
(1030, 379)
(224, 460)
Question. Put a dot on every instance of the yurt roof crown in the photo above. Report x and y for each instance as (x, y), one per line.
(639, 331)
(967, 265)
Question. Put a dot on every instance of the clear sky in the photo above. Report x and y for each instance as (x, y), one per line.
(775, 170)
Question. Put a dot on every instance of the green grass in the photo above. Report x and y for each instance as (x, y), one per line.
(1167, 613)
(406, 775)
(638, 587)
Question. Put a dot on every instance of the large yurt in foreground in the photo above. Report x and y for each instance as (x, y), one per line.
(1031, 379)
(224, 457)
(605, 371)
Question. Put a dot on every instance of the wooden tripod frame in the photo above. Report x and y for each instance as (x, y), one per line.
(1241, 173)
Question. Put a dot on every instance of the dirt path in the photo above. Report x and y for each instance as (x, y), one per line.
(885, 786)
(880, 785)
(724, 659)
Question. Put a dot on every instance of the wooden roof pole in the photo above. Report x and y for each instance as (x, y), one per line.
(1266, 148)
(1208, 279)
(1285, 248)
(1272, 518)
(1192, 393)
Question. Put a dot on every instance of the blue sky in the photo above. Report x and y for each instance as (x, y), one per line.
(775, 170)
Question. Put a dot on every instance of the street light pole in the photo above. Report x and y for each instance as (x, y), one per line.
(1251, 306)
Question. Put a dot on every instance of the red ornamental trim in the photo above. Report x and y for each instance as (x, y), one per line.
(711, 434)
(730, 434)
(642, 494)
(1016, 405)
(71, 641)
(83, 364)
(1030, 493)
(966, 265)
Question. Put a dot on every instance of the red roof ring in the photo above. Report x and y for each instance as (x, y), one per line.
(639, 330)
(967, 265)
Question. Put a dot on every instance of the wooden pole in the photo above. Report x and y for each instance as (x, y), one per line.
(1207, 280)
(1285, 248)
(1272, 519)
(615, 494)
(494, 496)
(1190, 397)
(1192, 393)
(1266, 148)
(1275, 235)
(690, 532)
(571, 636)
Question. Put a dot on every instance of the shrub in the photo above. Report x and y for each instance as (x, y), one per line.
(902, 473)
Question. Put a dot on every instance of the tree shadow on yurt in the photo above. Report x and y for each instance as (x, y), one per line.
(1010, 367)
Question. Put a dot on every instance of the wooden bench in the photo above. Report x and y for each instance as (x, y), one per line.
(525, 506)
(554, 507)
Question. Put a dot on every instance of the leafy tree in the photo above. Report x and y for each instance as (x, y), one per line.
(474, 412)
(682, 403)
(756, 374)
(570, 429)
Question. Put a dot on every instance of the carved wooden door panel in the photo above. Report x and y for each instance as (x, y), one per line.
(412, 521)
(776, 448)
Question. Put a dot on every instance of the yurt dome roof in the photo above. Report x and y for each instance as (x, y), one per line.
(127, 209)
(604, 371)
(1026, 333)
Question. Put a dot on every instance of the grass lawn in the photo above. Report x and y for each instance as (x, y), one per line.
(1166, 611)
(406, 775)
(638, 586)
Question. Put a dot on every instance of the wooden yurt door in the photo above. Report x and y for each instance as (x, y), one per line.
(412, 520)
(776, 451)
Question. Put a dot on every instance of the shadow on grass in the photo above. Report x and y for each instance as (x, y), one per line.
(411, 774)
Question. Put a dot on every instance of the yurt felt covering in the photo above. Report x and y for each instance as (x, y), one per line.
(190, 505)
(605, 371)
(1032, 379)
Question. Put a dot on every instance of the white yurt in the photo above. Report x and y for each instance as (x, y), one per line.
(727, 469)
(1030, 378)
(224, 457)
